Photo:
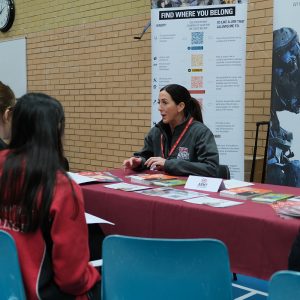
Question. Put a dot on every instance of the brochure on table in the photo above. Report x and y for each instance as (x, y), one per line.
(87, 177)
(101, 176)
(201, 183)
(80, 179)
(234, 183)
(127, 187)
(296, 199)
(170, 193)
(214, 202)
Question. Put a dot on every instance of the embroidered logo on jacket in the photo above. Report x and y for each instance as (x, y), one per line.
(183, 153)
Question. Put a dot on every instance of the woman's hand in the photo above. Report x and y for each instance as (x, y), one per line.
(155, 163)
(132, 162)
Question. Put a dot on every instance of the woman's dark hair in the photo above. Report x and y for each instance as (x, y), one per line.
(7, 97)
(159, 2)
(30, 169)
(180, 94)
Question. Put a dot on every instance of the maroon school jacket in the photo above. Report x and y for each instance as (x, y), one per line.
(58, 269)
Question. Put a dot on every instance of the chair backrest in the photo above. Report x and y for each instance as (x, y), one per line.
(11, 283)
(284, 285)
(223, 172)
(144, 268)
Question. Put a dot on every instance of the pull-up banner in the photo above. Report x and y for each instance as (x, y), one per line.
(283, 164)
(203, 47)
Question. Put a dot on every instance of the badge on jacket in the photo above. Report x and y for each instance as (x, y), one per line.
(183, 153)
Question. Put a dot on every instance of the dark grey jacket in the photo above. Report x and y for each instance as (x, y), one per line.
(196, 153)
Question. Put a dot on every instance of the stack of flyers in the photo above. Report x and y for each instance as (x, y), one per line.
(295, 198)
(291, 210)
(149, 179)
(101, 176)
(214, 202)
(127, 187)
(271, 197)
(170, 182)
(170, 193)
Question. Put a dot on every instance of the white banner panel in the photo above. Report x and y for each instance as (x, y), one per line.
(283, 166)
(203, 48)
(13, 67)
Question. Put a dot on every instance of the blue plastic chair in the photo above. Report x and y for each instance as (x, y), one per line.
(285, 285)
(11, 283)
(161, 269)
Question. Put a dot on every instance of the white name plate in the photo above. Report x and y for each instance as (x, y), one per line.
(201, 183)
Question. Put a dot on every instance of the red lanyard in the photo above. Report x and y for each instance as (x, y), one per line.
(177, 142)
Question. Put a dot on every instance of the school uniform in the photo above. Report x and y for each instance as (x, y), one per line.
(54, 259)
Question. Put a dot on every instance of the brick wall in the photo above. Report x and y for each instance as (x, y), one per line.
(258, 71)
(83, 53)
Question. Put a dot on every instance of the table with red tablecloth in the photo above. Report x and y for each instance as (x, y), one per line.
(258, 239)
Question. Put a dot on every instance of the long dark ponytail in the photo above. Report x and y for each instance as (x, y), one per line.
(180, 94)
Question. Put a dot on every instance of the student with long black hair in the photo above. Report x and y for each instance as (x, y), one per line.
(180, 143)
(41, 207)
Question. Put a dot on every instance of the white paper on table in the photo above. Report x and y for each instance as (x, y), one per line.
(215, 202)
(234, 183)
(201, 183)
(96, 263)
(79, 179)
(295, 199)
(127, 187)
(170, 193)
(91, 219)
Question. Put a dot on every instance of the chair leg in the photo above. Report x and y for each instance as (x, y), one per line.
(234, 276)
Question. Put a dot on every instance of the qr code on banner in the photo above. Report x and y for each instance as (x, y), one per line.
(197, 38)
(197, 82)
(197, 60)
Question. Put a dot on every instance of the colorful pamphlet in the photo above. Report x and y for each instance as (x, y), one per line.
(149, 179)
(170, 182)
(244, 193)
(101, 176)
(271, 197)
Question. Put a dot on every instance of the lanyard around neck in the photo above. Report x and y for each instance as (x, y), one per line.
(177, 141)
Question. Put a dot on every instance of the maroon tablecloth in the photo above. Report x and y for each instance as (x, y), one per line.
(258, 240)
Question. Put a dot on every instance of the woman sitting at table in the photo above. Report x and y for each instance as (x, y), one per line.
(41, 207)
(180, 144)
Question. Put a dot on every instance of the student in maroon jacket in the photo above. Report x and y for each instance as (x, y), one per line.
(41, 207)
